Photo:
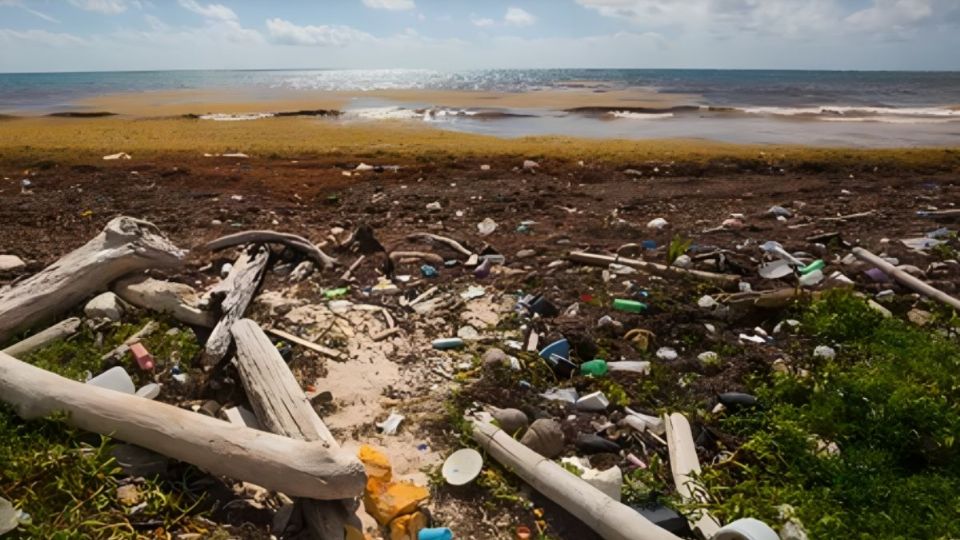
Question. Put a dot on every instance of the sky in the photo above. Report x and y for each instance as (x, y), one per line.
(102, 35)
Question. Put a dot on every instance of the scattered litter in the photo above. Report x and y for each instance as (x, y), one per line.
(707, 302)
(561, 394)
(779, 211)
(594, 402)
(434, 206)
(630, 306)
(462, 466)
(119, 155)
(486, 227)
(115, 378)
(391, 424)
(472, 292)
(448, 343)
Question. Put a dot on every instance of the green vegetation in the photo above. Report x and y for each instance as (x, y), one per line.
(889, 401)
(67, 480)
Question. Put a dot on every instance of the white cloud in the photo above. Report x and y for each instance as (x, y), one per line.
(21, 5)
(793, 19)
(482, 22)
(891, 14)
(519, 17)
(391, 5)
(288, 33)
(209, 11)
(40, 37)
(107, 7)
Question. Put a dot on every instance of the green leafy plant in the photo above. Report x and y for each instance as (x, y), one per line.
(678, 246)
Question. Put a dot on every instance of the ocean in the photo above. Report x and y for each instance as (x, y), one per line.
(850, 107)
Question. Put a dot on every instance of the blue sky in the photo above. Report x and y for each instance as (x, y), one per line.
(81, 35)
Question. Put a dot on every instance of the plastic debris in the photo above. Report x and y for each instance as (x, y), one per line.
(593, 402)
(142, 356)
(594, 368)
(391, 424)
(439, 533)
(561, 394)
(448, 343)
(115, 378)
(462, 466)
(630, 306)
(486, 227)
(634, 366)
(428, 271)
(779, 211)
(434, 206)
(118, 155)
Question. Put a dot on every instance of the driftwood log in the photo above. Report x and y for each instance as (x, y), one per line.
(906, 279)
(456, 246)
(651, 267)
(178, 299)
(125, 245)
(610, 519)
(272, 237)
(685, 465)
(282, 408)
(61, 330)
(239, 287)
(298, 468)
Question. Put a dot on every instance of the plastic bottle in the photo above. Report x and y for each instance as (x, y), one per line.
(631, 306)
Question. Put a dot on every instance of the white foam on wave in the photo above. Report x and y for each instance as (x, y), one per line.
(891, 119)
(641, 116)
(237, 117)
(384, 113)
(855, 111)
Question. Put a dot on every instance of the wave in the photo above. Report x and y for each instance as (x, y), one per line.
(236, 117)
(640, 116)
(890, 119)
(853, 111)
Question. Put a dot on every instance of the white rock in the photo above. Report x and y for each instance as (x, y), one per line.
(708, 357)
(11, 263)
(683, 261)
(484, 167)
(530, 165)
(657, 223)
(824, 351)
(434, 206)
(667, 353)
(104, 306)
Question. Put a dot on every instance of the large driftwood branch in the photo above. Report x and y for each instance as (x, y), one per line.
(609, 518)
(240, 285)
(260, 237)
(298, 468)
(282, 407)
(685, 465)
(61, 330)
(651, 267)
(906, 279)
(177, 299)
(125, 245)
(456, 246)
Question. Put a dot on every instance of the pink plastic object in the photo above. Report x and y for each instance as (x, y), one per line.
(142, 356)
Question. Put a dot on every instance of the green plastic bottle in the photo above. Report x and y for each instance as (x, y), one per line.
(595, 368)
(632, 306)
(812, 267)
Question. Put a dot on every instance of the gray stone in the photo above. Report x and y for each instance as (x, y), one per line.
(513, 421)
(494, 357)
(526, 253)
(104, 306)
(11, 263)
(544, 437)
